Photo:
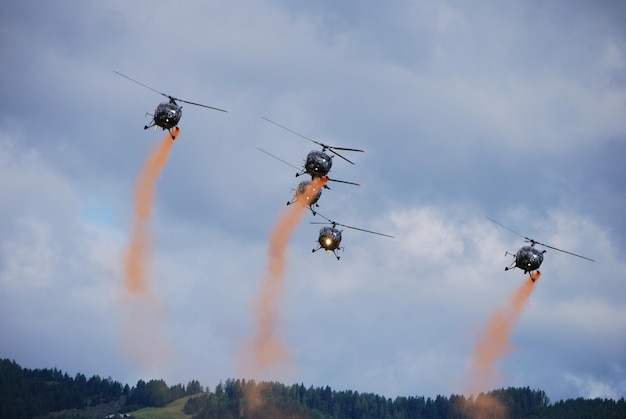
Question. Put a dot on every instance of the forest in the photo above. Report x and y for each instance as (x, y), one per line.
(50, 393)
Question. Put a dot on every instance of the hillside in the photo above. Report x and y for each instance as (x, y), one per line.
(173, 410)
(50, 393)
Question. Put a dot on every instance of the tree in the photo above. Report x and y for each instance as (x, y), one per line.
(194, 387)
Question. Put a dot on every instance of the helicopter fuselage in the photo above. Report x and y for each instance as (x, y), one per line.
(528, 258)
(305, 199)
(318, 164)
(330, 238)
(167, 115)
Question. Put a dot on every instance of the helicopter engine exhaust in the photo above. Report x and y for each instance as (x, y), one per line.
(493, 345)
(141, 309)
(266, 351)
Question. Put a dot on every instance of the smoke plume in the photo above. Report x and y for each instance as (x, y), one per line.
(266, 349)
(140, 239)
(142, 310)
(493, 345)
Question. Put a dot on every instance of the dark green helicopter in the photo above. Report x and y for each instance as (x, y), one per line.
(167, 114)
(329, 237)
(318, 163)
(529, 258)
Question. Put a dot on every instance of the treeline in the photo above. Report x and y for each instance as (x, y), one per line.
(156, 393)
(32, 393)
(50, 393)
(250, 400)
(26, 393)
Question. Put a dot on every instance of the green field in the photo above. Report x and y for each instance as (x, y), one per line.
(173, 410)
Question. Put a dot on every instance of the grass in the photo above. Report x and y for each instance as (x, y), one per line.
(173, 410)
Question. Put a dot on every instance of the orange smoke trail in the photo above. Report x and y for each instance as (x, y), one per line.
(266, 348)
(141, 310)
(139, 247)
(494, 344)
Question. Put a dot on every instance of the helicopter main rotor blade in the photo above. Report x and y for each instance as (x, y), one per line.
(502, 225)
(536, 242)
(279, 159)
(199, 104)
(293, 132)
(561, 250)
(298, 168)
(366, 231)
(347, 226)
(339, 155)
(168, 96)
(332, 150)
(347, 149)
(141, 84)
(324, 146)
(343, 181)
(327, 219)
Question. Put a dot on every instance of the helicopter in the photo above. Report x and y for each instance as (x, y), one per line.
(330, 236)
(302, 186)
(318, 163)
(529, 258)
(302, 197)
(167, 114)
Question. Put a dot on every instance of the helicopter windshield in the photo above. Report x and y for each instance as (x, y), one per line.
(329, 238)
(528, 258)
(167, 115)
(318, 163)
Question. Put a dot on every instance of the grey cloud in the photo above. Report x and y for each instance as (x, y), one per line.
(464, 112)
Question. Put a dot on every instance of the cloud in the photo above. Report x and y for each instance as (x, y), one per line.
(463, 111)
(52, 267)
(591, 388)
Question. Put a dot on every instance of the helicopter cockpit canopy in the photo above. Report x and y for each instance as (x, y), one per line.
(330, 238)
(167, 115)
(318, 163)
(310, 199)
(528, 258)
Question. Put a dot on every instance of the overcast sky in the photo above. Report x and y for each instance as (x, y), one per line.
(514, 110)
